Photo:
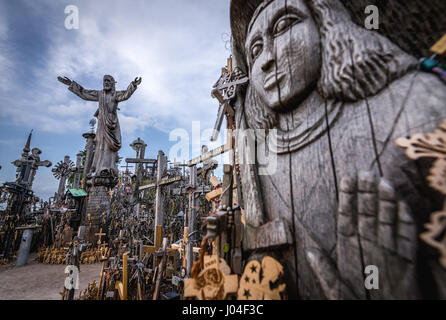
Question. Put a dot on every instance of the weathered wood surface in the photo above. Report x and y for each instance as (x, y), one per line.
(191, 218)
(254, 287)
(308, 192)
(210, 154)
(162, 182)
(137, 160)
(347, 194)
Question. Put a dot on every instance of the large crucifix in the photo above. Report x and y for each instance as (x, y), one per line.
(28, 164)
(140, 147)
(159, 182)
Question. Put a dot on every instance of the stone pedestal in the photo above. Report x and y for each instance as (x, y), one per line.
(82, 232)
(98, 200)
(89, 136)
(98, 203)
(25, 247)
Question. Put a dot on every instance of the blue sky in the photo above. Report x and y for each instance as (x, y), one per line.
(176, 46)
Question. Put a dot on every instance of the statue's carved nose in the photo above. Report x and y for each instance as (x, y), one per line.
(268, 63)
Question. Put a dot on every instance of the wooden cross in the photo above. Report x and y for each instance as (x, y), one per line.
(194, 190)
(224, 225)
(224, 91)
(28, 164)
(159, 212)
(161, 267)
(99, 235)
(77, 171)
(121, 286)
(125, 177)
(213, 153)
(216, 183)
(127, 167)
(139, 146)
(182, 247)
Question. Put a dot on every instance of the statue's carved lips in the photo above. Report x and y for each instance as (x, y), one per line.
(273, 80)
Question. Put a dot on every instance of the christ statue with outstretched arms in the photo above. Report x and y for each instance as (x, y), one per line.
(108, 133)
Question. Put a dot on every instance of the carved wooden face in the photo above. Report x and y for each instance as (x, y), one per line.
(283, 53)
(108, 83)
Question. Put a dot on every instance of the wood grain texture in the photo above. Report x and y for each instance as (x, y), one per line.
(348, 195)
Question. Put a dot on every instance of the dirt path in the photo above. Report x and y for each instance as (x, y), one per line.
(37, 281)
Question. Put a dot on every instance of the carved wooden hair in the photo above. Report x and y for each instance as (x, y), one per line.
(356, 63)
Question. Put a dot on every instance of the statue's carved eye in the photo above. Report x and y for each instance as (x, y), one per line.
(256, 49)
(285, 23)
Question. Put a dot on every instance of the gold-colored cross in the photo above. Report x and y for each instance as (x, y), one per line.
(100, 234)
(440, 47)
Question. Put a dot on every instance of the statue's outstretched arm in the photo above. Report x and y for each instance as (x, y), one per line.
(125, 94)
(73, 86)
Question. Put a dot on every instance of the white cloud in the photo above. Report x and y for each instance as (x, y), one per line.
(6, 65)
(178, 53)
(174, 45)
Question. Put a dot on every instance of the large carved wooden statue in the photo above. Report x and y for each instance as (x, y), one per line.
(103, 174)
(335, 97)
(108, 133)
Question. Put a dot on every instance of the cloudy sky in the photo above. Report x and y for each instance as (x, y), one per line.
(177, 46)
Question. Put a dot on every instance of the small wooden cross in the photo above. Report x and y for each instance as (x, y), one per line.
(181, 248)
(99, 235)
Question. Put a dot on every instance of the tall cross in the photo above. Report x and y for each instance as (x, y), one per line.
(159, 210)
(77, 171)
(195, 191)
(225, 90)
(28, 164)
(139, 162)
(140, 147)
(99, 235)
(89, 148)
(126, 174)
(191, 217)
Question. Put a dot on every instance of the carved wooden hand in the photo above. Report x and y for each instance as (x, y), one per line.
(137, 81)
(374, 228)
(64, 80)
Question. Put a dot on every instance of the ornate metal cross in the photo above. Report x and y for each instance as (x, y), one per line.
(61, 171)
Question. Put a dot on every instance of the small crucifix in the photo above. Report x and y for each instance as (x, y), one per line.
(99, 235)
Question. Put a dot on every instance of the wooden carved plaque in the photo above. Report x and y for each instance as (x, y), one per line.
(261, 281)
(214, 282)
(432, 145)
